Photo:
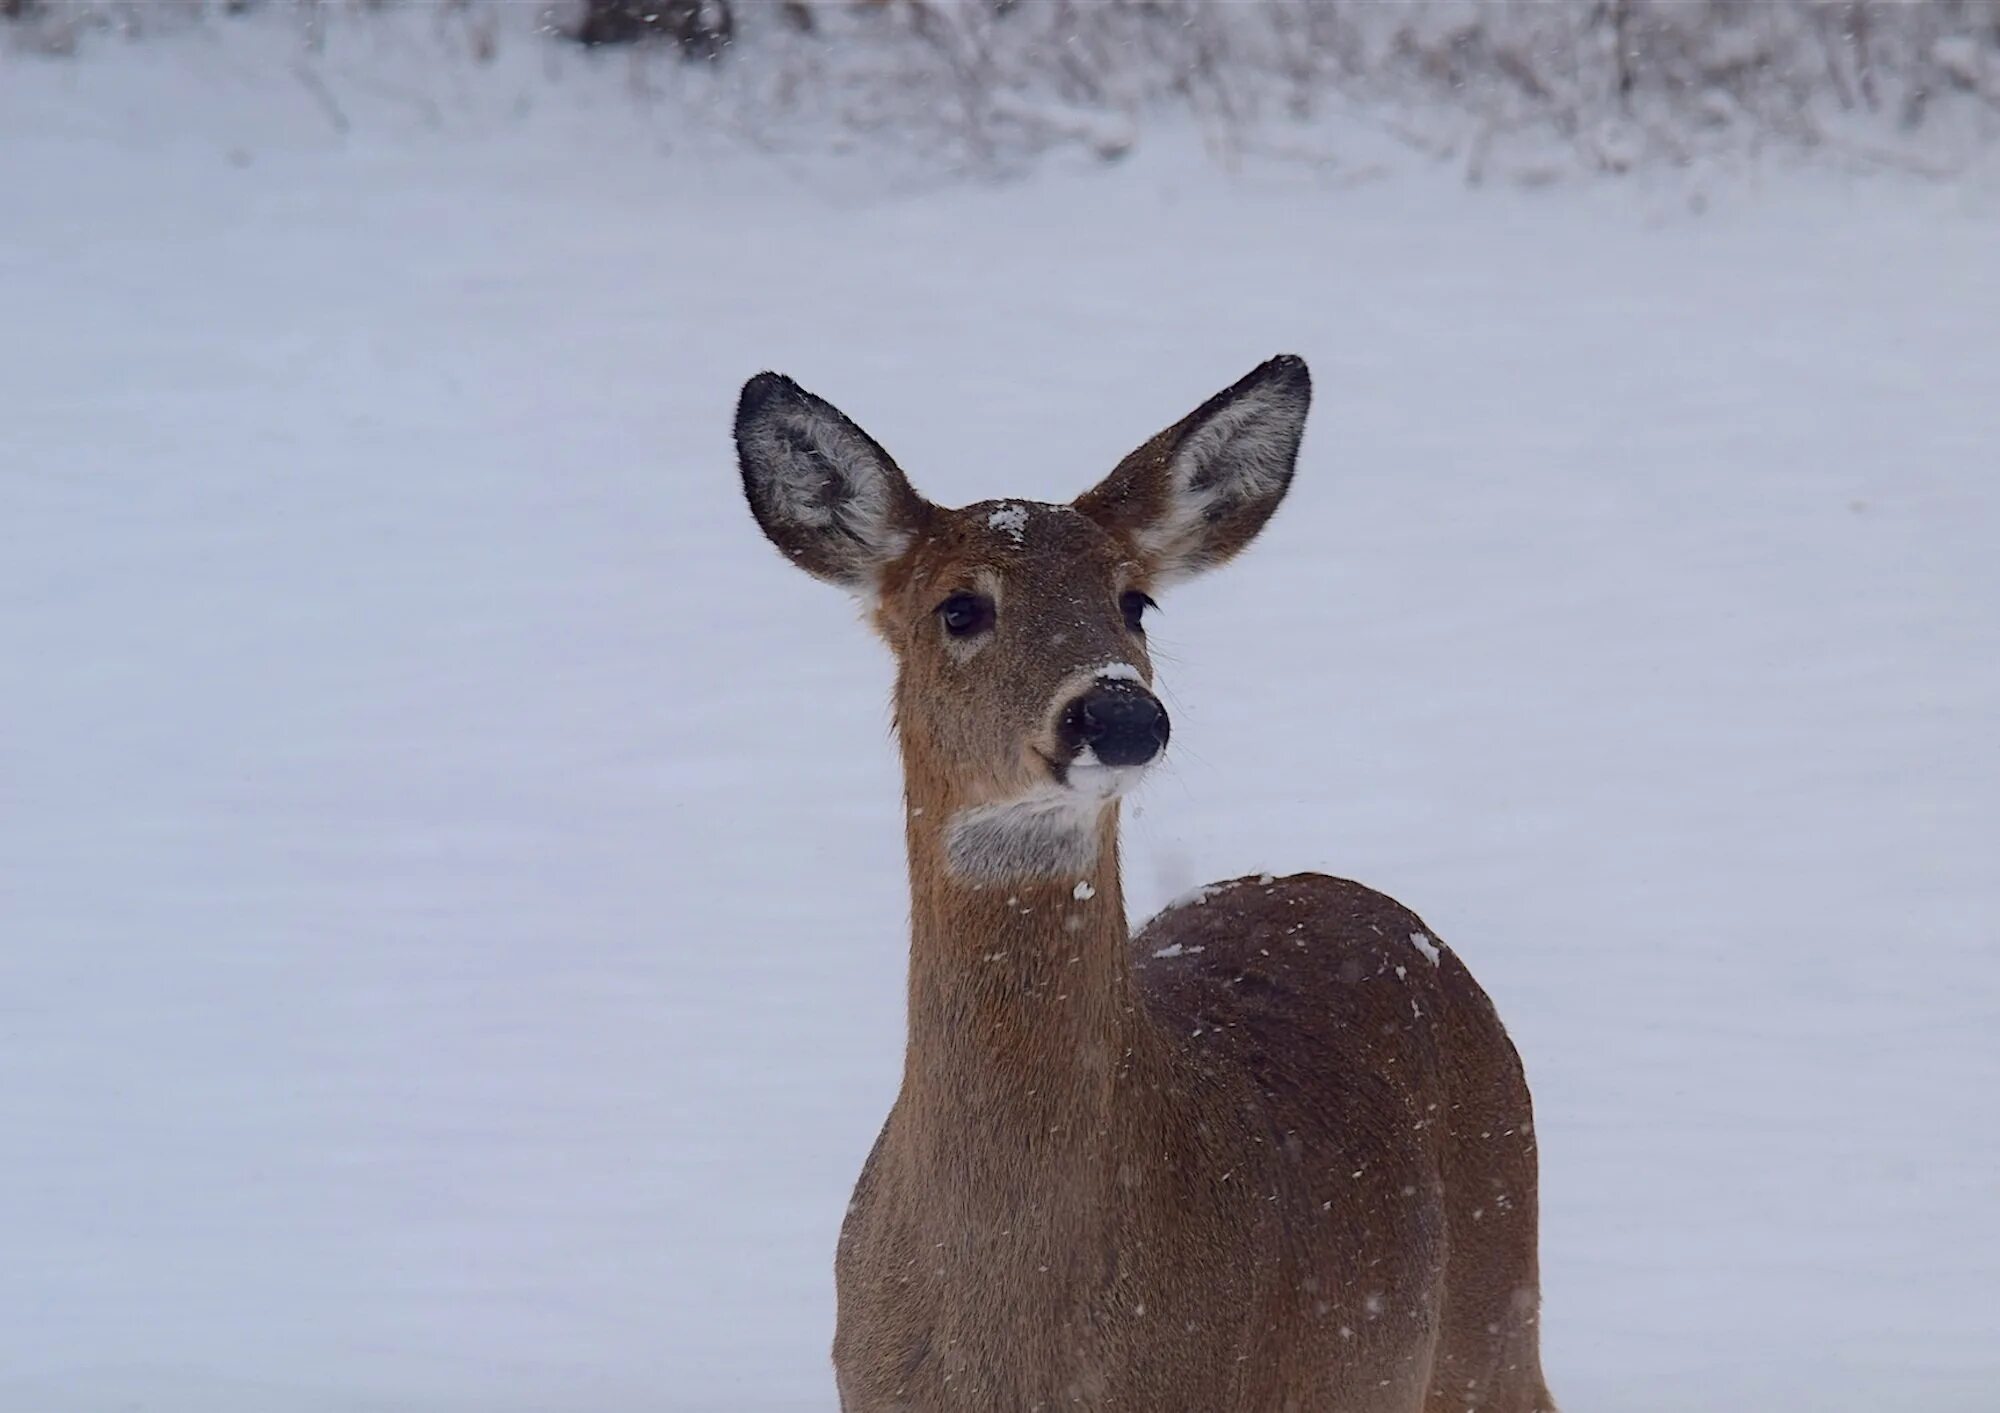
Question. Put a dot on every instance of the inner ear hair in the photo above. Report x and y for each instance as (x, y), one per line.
(1197, 493)
(823, 491)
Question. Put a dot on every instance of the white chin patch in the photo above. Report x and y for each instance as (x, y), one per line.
(1048, 832)
(1090, 777)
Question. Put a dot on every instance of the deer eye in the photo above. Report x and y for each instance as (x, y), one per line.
(966, 614)
(1133, 605)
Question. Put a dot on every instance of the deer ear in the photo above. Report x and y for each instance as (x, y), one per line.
(823, 492)
(1201, 490)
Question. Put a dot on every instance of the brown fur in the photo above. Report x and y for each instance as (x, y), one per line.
(1267, 1156)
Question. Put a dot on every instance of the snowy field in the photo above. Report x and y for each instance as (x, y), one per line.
(451, 910)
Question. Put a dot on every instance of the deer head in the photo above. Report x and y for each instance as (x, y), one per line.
(1024, 697)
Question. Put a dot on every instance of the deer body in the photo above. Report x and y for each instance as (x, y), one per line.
(1275, 1152)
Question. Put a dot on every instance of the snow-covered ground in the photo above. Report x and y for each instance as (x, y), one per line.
(450, 883)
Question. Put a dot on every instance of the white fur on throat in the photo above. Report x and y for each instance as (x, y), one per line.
(1049, 831)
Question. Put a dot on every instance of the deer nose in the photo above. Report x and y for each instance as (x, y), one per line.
(1121, 721)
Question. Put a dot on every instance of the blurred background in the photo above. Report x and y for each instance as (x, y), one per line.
(451, 894)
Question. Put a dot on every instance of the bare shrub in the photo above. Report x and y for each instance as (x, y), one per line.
(701, 29)
(1523, 88)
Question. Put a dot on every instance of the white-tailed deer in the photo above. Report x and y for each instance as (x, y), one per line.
(1273, 1153)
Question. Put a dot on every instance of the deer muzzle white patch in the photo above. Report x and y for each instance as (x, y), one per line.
(1090, 777)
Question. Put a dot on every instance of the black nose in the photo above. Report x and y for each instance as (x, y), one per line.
(1121, 721)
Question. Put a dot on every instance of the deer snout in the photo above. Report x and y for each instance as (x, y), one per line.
(1120, 722)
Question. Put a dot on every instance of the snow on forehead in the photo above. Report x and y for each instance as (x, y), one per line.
(1016, 518)
(1011, 519)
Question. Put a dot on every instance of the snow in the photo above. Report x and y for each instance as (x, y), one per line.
(1013, 520)
(451, 947)
(1423, 943)
(1958, 55)
(1083, 892)
(1193, 897)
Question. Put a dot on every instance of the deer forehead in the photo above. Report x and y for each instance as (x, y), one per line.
(1016, 544)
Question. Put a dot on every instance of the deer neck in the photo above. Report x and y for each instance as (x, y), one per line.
(1029, 1056)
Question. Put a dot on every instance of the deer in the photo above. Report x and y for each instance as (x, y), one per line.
(1274, 1152)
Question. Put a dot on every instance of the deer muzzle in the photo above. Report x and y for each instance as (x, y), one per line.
(1119, 722)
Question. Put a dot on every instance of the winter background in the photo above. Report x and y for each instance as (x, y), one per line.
(451, 898)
